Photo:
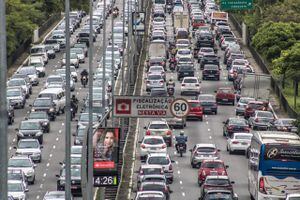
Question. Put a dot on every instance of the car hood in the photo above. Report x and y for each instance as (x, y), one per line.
(24, 169)
(28, 151)
(16, 195)
(15, 97)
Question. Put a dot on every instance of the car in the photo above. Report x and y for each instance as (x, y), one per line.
(18, 175)
(252, 106)
(152, 144)
(220, 194)
(176, 122)
(182, 52)
(205, 39)
(54, 78)
(75, 180)
(154, 178)
(160, 128)
(38, 63)
(41, 117)
(216, 182)
(50, 51)
(83, 46)
(53, 43)
(241, 105)
(201, 152)
(211, 167)
(55, 195)
(25, 164)
(157, 186)
(44, 104)
(225, 95)
(285, 124)
(202, 51)
(196, 110)
(26, 78)
(235, 124)
(17, 83)
(209, 58)
(10, 113)
(16, 189)
(149, 170)
(75, 161)
(79, 135)
(16, 97)
(156, 61)
(232, 57)
(165, 161)
(236, 70)
(74, 60)
(159, 92)
(80, 54)
(208, 103)
(76, 149)
(31, 72)
(239, 141)
(185, 70)
(211, 72)
(190, 85)
(157, 195)
(157, 70)
(154, 81)
(262, 120)
(31, 148)
(84, 119)
(30, 129)
(226, 41)
(186, 59)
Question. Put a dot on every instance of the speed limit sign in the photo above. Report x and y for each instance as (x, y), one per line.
(180, 107)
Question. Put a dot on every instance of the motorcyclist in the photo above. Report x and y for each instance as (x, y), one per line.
(74, 103)
(84, 73)
(181, 139)
(170, 83)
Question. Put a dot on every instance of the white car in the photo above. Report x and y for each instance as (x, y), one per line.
(152, 144)
(183, 52)
(25, 164)
(157, 70)
(74, 60)
(73, 72)
(30, 147)
(238, 142)
(293, 196)
(16, 189)
(241, 105)
(190, 85)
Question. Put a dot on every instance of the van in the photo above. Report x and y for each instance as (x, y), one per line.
(39, 50)
(58, 96)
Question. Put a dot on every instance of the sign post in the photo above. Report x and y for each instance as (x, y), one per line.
(236, 5)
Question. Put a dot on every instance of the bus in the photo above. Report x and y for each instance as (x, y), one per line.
(273, 165)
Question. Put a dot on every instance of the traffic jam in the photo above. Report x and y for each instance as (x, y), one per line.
(194, 54)
(37, 103)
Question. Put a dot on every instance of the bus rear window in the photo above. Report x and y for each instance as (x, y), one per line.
(282, 152)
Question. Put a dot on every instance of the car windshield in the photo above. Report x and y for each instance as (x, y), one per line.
(16, 82)
(288, 122)
(245, 100)
(85, 118)
(147, 171)
(206, 149)
(27, 125)
(77, 50)
(158, 160)
(217, 181)
(155, 69)
(265, 114)
(42, 102)
(238, 122)
(76, 150)
(243, 137)
(75, 160)
(28, 144)
(212, 165)
(153, 141)
(27, 70)
(185, 60)
(227, 91)
(255, 105)
(19, 163)
(158, 126)
(206, 50)
(36, 50)
(153, 187)
(206, 97)
(75, 172)
(154, 77)
(218, 196)
(211, 67)
(14, 176)
(294, 198)
(13, 93)
(190, 80)
(54, 79)
(14, 187)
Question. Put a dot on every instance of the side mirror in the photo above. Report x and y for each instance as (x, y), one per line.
(16, 129)
(232, 182)
(226, 166)
(26, 190)
(41, 147)
(219, 150)
(145, 127)
(215, 91)
(172, 161)
(58, 176)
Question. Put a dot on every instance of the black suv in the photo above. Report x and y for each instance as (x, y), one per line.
(45, 104)
(185, 70)
(211, 72)
(209, 59)
(83, 37)
(75, 180)
(205, 39)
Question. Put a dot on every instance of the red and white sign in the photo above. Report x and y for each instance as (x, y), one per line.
(142, 106)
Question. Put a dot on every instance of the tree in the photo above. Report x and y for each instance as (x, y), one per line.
(287, 11)
(297, 124)
(273, 37)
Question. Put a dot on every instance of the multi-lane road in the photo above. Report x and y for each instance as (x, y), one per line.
(54, 142)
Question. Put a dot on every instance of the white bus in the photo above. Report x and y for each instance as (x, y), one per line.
(274, 165)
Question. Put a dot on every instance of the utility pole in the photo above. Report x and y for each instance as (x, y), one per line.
(3, 106)
(68, 109)
(112, 69)
(90, 162)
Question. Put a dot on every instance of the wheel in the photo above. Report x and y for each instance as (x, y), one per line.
(233, 103)
(41, 139)
(224, 134)
(230, 152)
(201, 119)
(216, 112)
(32, 182)
(193, 166)
(180, 153)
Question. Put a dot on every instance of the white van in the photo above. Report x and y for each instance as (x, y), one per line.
(39, 50)
(38, 63)
(58, 96)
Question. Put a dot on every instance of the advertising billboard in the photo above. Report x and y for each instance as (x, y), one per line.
(106, 156)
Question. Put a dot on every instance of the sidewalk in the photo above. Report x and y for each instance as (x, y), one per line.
(273, 98)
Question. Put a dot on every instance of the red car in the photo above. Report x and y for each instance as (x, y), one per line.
(211, 167)
(225, 95)
(197, 22)
(196, 110)
(252, 106)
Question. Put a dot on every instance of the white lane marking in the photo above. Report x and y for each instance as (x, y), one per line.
(183, 194)
(48, 164)
(10, 148)
(77, 93)
(175, 152)
(208, 129)
(206, 122)
(38, 197)
(50, 155)
(79, 88)
(57, 139)
(14, 139)
(205, 116)
(210, 137)
(176, 162)
(45, 175)
(180, 182)
(41, 186)
(62, 124)
(59, 131)
(54, 146)
(178, 172)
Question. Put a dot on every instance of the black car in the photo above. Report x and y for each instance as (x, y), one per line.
(205, 39)
(234, 125)
(75, 180)
(219, 194)
(208, 103)
(211, 72)
(185, 70)
(84, 38)
(30, 129)
(209, 59)
(42, 117)
(45, 104)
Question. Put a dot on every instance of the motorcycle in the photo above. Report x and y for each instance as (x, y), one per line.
(115, 13)
(172, 66)
(84, 81)
(181, 149)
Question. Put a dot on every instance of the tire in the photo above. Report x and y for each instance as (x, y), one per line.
(227, 148)
(180, 153)
(41, 140)
(193, 166)
(62, 110)
(230, 152)
(224, 134)
(201, 119)
(32, 182)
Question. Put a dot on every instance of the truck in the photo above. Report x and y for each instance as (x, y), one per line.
(181, 20)
(158, 48)
(218, 16)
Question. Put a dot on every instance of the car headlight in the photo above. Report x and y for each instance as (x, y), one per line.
(30, 172)
(45, 123)
(32, 110)
(39, 133)
(20, 134)
(51, 109)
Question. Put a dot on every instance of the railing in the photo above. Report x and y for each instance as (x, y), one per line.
(264, 66)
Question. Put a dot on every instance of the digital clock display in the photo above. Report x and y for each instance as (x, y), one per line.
(105, 180)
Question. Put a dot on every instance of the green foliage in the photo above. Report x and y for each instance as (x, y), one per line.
(272, 38)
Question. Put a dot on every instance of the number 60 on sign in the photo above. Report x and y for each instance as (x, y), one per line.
(180, 108)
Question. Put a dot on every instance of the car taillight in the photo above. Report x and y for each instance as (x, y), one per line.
(262, 185)
(148, 81)
(141, 172)
(170, 167)
(169, 132)
(183, 85)
(163, 146)
(143, 146)
(235, 142)
(148, 132)
(162, 63)
(230, 127)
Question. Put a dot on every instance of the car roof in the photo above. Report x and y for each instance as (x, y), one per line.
(242, 133)
(29, 139)
(205, 145)
(158, 122)
(51, 90)
(158, 154)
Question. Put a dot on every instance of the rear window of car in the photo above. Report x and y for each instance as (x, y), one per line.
(158, 160)
(151, 171)
(206, 149)
(211, 67)
(219, 182)
(194, 104)
(190, 80)
(153, 187)
(153, 141)
(255, 105)
(238, 122)
(243, 137)
(158, 126)
(227, 91)
(265, 114)
(154, 77)
(212, 165)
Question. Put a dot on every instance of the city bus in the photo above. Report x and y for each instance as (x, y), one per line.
(273, 165)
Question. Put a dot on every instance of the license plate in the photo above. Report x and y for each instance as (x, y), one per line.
(214, 173)
(225, 99)
(244, 143)
(186, 73)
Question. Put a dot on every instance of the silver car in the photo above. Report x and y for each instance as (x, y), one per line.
(80, 54)
(31, 148)
(261, 120)
(19, 82)
(31, 72)
(17, 190)
(154, 81)
(17, 175)
(16, 97)
(241, 105)
(84, 120)
(25, 164)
